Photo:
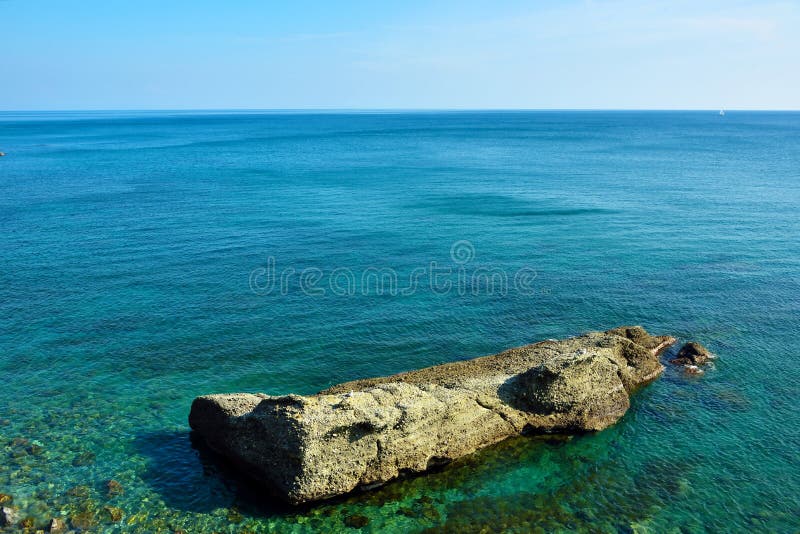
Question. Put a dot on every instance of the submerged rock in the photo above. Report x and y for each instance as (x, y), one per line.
(5, 498)
(83, 459)
(356, 521)
(83, 519)
(235, 516)
(363, 433)
(20, 442)
(79, 491)
(113, 513)
(114, 488)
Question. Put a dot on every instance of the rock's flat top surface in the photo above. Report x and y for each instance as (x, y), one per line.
(369, 431)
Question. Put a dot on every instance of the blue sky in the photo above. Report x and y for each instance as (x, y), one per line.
(199, 54)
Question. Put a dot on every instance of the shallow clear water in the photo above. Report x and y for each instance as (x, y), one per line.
(131, 242)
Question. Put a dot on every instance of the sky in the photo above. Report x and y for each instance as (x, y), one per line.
(261, 54)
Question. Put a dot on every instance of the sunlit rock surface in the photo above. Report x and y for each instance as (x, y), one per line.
(367, 432)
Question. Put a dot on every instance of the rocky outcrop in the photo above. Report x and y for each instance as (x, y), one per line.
(363, 433)
(691, 356)
(692, 353)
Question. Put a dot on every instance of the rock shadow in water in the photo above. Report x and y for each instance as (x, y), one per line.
(191, 477)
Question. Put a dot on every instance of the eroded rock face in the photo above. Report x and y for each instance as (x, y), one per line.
(367, 432)
(577, 393)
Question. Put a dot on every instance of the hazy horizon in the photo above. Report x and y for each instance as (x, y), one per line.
(311, 110)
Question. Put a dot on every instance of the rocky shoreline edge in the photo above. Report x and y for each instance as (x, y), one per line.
(361, 434)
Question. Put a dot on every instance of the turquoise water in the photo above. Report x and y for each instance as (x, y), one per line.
(131, 242)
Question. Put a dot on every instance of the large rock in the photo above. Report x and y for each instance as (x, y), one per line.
(363, 433)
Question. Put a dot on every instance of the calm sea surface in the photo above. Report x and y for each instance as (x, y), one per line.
(138, 248)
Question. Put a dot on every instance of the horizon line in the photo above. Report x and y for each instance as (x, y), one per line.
(389, 109)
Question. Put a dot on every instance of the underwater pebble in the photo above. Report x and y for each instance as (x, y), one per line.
(83, 520)
(114, 514)
(356, 521)
(234, 516)
(85, 458)
(430, 513)
(114, 488)
(78, 491)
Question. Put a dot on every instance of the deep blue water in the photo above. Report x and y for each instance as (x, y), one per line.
(133, 247)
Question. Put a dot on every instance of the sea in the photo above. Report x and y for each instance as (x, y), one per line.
(151, 257)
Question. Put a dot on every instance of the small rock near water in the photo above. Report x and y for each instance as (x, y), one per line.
(8, 516)
(692, 370)
(692, 353)
(57, 526)
(5, 498)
